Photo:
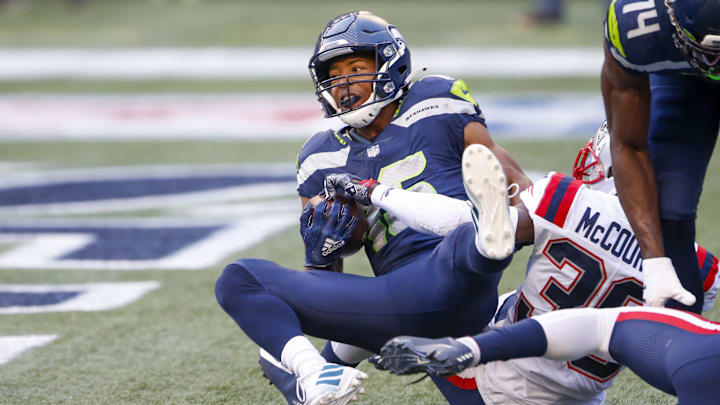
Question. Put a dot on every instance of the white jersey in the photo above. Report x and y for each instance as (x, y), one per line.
(585, 255)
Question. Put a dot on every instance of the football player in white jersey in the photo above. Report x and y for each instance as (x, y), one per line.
(674, 351)
(585, 255)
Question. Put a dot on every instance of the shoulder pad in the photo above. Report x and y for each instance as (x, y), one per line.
(325, 141)
(639, 36)
(442, 86)
(552, 197)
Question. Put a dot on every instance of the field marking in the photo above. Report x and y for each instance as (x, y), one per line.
(47, 250)
(13, 346)
(281, 63)
(91, 297)
(259, 116)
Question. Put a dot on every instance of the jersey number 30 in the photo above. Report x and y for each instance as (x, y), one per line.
(590, 279)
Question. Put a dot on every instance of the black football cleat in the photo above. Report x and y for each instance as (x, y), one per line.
(436, 357)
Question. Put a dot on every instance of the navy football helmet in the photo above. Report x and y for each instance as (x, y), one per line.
(364, 33)
(697, 33)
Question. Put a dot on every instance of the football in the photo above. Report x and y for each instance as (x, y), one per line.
(357, 239)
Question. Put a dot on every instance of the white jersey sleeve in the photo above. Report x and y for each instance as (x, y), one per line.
(585, 255)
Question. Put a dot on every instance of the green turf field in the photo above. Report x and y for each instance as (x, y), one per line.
(175, 345)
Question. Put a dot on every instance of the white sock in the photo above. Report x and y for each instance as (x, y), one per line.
(301, 357)
(473, 346)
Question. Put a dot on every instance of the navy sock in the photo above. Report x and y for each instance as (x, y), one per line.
(523, 339)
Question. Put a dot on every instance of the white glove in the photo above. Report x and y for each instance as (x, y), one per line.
(662, 284)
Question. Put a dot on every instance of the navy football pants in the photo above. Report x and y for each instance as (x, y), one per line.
(684, 119)
(673, 359)
(450, 291)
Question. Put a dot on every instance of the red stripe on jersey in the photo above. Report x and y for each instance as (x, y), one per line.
(668, 320)
(541, 210)
(701, 253)
(702, 257)
(710, 280)
(562, 209)
(467, 384)
(567, 201)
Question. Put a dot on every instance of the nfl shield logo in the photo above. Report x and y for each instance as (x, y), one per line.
(373, 151)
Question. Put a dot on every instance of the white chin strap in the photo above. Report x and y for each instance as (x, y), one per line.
(364, 115)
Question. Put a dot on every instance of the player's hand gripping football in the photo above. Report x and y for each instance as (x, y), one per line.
(662, 284)
(437, 357)
(351, 186)
(325, 232)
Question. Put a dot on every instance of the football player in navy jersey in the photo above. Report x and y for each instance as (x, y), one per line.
(407, 134)
(661, 87)
(674, 351)
(404, 134)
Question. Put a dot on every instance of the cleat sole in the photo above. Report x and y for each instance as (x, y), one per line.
(490, 199)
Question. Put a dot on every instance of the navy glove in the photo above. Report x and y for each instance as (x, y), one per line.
(351, 186)
(325, 236)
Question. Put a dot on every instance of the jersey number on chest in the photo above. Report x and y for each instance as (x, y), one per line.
(383, 225)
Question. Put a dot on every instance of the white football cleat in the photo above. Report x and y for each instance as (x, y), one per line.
(486, 187)
(333, 384)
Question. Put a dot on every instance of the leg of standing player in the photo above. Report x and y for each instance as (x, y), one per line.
(683, 131)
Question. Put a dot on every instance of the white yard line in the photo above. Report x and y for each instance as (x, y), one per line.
(280, 63)
(258, 116)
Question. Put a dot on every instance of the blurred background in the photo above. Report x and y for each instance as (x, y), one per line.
(140, 139)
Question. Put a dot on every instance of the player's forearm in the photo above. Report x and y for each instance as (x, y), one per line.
(513, 172)
(636, 188)
(424, 212)
(627, 105)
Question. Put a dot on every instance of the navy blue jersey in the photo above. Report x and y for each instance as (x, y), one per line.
(419, 150)
(638, 34)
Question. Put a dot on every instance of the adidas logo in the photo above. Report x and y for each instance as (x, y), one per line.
(331, 245)
(331, 375)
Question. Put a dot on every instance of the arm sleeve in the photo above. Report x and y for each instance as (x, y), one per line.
(429, 213)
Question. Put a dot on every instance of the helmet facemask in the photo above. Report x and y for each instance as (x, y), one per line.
(593, 164)
(704, 55)
(384, 90)
(360, 33)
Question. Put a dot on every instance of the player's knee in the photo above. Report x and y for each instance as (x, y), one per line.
(235, 280)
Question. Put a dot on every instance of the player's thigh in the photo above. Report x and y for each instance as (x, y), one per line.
(367, 311)
(696, 382)
(684, 118)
